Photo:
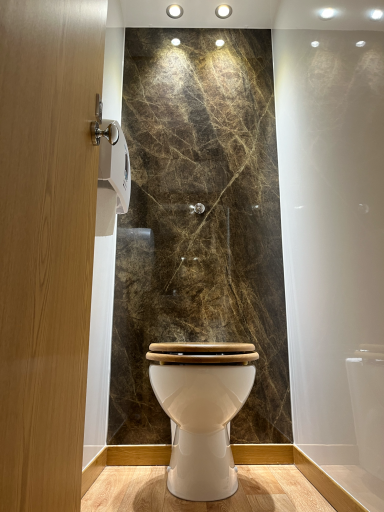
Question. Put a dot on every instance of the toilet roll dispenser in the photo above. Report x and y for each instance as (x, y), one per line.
(114, 177)
(114, 165)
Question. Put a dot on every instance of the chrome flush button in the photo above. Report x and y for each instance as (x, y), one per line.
(198, 208)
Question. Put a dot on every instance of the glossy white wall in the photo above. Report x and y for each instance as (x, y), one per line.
(329, 113)
(96, 415)
(115, 18)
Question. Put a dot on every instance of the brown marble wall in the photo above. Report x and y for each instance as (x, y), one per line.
(200, 125)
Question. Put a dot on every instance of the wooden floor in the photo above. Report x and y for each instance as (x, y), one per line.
(261, 489)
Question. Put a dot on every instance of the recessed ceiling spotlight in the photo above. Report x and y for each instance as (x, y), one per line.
(175, 41)
(175, 11)
(223, 11)
(360, 44)
(220, 43)
(328, 13)
(376, 15)
(315, 44)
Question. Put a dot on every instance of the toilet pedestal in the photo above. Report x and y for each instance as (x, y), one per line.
(202, 467)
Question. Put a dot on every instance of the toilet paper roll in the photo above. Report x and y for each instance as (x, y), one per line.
(105, 209)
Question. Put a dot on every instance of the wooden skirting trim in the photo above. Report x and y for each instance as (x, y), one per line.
(340, 499)
(160, 455)
(139, 455)
(93, 470)
(262, 453)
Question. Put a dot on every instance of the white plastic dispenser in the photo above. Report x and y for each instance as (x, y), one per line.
(114, 185)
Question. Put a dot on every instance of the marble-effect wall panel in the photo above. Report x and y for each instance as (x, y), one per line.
(200, 125)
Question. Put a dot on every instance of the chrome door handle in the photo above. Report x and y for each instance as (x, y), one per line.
(111, 133)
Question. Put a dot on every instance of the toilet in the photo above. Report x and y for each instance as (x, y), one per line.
(201, 387)
(366, 383)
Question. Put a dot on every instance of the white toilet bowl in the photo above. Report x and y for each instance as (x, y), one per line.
(201, 391)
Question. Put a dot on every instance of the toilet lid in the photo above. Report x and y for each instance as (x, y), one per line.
(202, 353)
(217, 348)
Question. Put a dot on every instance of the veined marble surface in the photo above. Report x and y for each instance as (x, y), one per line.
(200, 125)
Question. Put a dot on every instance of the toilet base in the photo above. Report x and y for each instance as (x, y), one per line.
(202, 467)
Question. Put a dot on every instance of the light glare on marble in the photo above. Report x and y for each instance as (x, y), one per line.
(175, 42)
(376, 15)
(315, 44)
(220, 43)
(360, 44)
(328, 13)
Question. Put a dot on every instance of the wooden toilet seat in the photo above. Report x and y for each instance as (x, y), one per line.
(202, 353)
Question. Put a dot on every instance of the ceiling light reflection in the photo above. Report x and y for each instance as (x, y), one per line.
(315, 44)
(360, 44)
(175, 41)
(327, 13)
(376, 15)
(220, 43)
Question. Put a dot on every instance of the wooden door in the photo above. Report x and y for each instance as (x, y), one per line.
(51, 64)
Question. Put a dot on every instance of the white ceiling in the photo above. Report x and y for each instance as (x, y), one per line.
(292, 14)
(197, 14)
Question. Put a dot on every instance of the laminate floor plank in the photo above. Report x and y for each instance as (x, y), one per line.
(107, 492)
(261, 489)
(145, 491)
(271, 503)
(300, 491)
(173, 504)
(258, 480)
(236, 503)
